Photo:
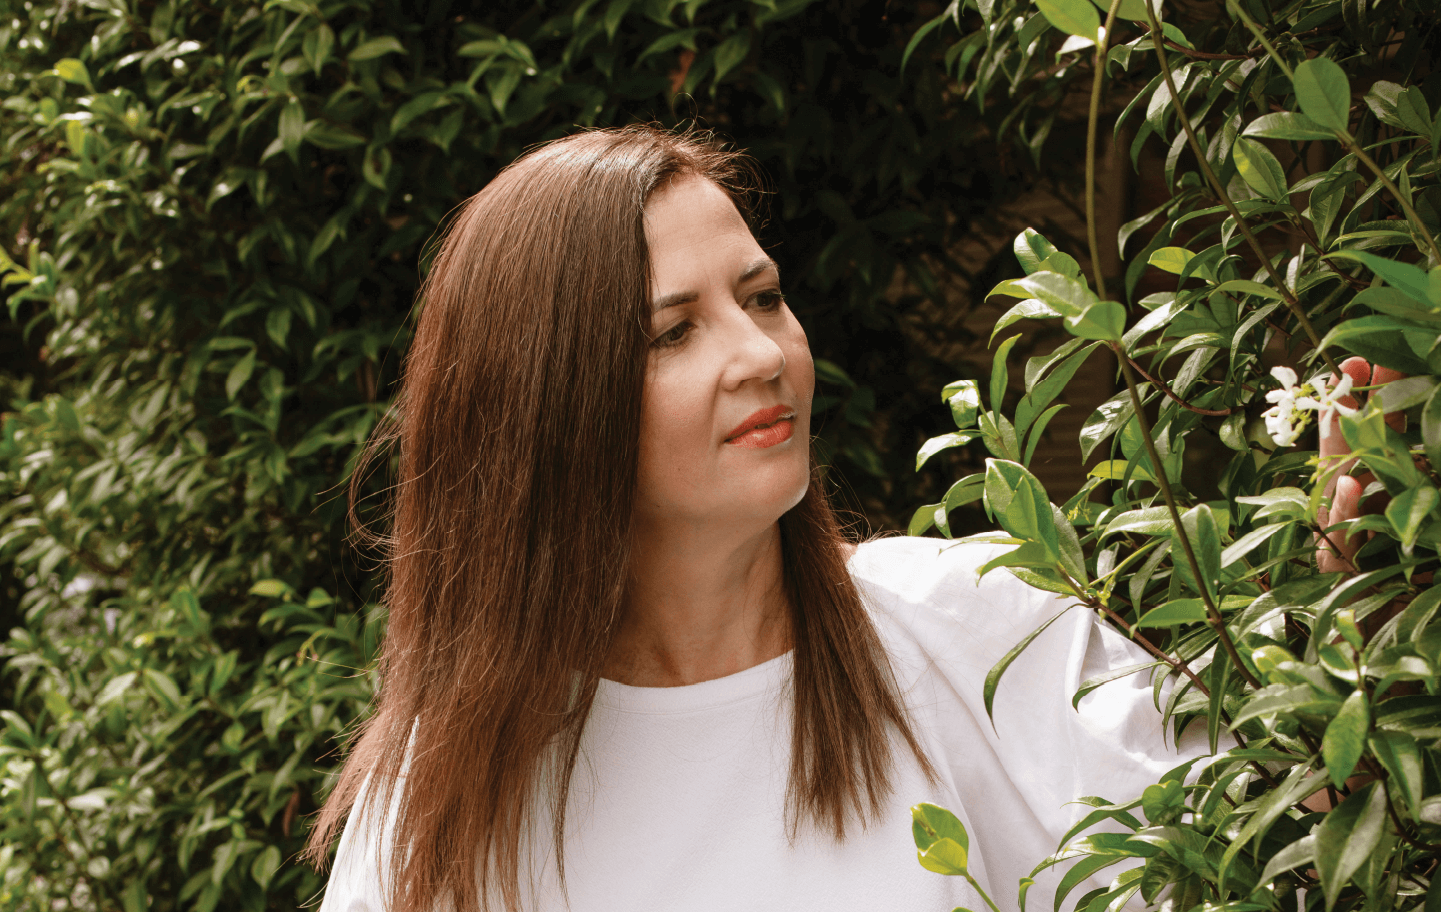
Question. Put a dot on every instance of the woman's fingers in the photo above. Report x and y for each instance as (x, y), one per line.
(1333, 442)
(1345, 504)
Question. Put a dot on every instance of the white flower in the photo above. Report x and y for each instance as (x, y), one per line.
(1282, 419)
(1284, 376)
(1325, 400)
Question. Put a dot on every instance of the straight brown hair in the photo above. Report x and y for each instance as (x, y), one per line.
(517, 427)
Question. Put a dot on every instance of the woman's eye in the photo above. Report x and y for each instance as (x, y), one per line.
(769, 300)
(672, 336)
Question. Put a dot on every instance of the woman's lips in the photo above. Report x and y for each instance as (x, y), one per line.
(764, 428)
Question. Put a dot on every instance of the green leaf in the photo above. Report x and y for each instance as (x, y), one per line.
(993, 677)
(1431, 428)
(1108, 418)
(239, 374)
(376, 47)
(1246, 286)
(1103, 320)
(1300, 852)
(164, 686)
(1200, 526)
(1171, 259)
(730, 53)
(1032, 250)
(329, 135)
(1345, 738)
(1067, 296)
(1324, 93)
(1347, 837)
(1019, 502)
(1249, 542)
(1177, 611)
(1408, 511)
(1404, 277)
(921, 33)
(1074, 17)
(292, 127)
(1259, 168)
(965, 401)
(1118, 469)
(1000, 375)
(943, 442)
(74, 71)
(263, 868)
(1147, 521)
(944, 856)
(418, 106)
(1135, 10)
(1285, 125)
(1401, 756)
(269, 588)
(930, 823)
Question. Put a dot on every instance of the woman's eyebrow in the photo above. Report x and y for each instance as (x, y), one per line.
(687, 297)
(756, 268)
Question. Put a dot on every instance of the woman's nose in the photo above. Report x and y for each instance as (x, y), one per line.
(751, 354)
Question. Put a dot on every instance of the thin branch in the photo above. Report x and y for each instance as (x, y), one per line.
(1161, 385)
(1093, 118)
(1212, 612)
(1203, 55)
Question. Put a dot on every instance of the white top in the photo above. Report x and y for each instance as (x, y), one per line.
(678, 801)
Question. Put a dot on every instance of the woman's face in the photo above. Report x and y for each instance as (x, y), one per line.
(725, 427)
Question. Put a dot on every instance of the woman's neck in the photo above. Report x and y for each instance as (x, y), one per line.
(700, 607)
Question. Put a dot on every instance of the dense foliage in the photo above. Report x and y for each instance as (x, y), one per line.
(212, 218)
(1302, 166)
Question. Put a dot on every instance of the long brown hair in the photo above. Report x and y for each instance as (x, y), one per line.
(518, 425)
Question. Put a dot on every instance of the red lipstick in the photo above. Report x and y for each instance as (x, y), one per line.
(764, 428)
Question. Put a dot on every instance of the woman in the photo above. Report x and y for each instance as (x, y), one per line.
(631, 662)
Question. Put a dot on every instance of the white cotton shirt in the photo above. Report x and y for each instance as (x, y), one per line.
(678, 799)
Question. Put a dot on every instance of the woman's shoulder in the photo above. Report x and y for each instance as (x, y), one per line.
(927, 595)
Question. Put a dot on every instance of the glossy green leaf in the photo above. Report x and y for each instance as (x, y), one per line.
(1285, 125)
(376, 47)
(1032, 250)
(943, 442)
(1259, 168)
(1324, 92)
(930, 823)
(1347, 837)
(72, 70)
(1171, 259)
(1000, 376)
(1199, 524)
(1409, 510)
(1345, 738)
(1406, 278)
(1102, 320)
(1074, 17)
(1177, 611)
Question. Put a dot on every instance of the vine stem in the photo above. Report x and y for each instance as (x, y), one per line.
(1224, 197)
(1344, 136)
(1173, 397)
(1103, 43)
(1212, 612)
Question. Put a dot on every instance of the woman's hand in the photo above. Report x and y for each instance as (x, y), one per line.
(1343, 491)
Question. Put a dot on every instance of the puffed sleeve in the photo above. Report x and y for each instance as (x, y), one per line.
(1019, 778)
